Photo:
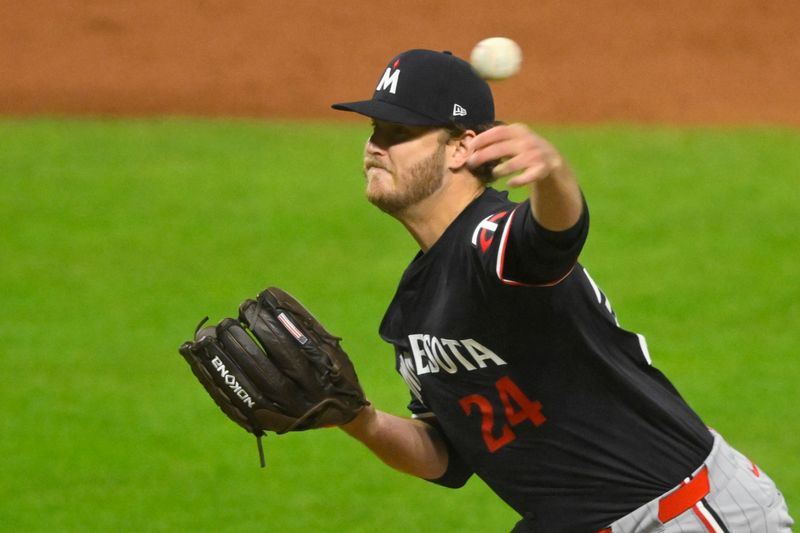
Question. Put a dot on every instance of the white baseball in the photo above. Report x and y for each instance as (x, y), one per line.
(496, 58)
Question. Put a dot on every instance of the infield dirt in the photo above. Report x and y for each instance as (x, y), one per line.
(716, 61)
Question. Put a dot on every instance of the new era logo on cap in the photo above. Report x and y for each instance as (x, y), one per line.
(431, 89)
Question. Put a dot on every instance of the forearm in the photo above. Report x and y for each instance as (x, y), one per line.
(408, 445)
(556, 201)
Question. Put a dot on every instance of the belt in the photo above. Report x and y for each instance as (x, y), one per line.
(682, 498)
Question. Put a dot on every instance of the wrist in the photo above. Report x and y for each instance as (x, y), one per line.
(363, 423)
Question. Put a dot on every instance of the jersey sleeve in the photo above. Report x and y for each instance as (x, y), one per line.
(418, 408)
(531, 255)
(458, 472)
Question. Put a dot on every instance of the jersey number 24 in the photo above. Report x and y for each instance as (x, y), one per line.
(510, 395)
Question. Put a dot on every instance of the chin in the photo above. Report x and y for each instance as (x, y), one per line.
(384, 200)
(377, 196)
(379, 184)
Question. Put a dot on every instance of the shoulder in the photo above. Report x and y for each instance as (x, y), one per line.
(489, 214)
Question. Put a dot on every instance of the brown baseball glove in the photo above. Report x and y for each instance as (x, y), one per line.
(276, 368)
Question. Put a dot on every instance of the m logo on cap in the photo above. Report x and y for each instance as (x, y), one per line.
(389, 80)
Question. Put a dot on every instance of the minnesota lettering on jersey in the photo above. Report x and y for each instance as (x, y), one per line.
(431, 355)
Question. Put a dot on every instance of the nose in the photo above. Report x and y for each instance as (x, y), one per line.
(374, 146)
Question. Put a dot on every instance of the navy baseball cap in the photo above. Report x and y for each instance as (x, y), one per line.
(428, 88)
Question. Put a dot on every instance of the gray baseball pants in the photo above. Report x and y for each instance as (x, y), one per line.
(727, 494)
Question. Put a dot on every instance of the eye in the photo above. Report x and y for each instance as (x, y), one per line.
(402, 133)
(388, 133)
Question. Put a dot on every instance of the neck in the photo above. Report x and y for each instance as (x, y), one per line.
(428, 219)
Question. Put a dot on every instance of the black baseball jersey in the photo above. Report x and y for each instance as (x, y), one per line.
(512, 350)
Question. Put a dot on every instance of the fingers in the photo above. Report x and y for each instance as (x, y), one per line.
(494, 143)
(529, 176)
(520, 150)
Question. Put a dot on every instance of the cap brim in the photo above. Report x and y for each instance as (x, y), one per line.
(387, 112)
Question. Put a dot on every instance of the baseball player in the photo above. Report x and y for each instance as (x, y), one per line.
(518, 368)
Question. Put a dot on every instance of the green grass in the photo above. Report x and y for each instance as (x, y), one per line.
(119, 236)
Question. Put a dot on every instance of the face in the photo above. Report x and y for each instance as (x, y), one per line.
(403, 164)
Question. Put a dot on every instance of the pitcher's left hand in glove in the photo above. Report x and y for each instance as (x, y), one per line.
(276, 368)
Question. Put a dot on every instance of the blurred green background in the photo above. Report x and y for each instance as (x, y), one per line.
(118, 236)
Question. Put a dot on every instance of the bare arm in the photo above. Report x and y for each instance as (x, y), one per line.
(556, 201)
(405, 444)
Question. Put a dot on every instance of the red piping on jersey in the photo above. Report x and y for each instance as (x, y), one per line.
(501, 257)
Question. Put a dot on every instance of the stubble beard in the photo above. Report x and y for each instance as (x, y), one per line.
(421, 181)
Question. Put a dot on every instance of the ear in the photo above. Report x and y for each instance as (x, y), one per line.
(461, 150)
